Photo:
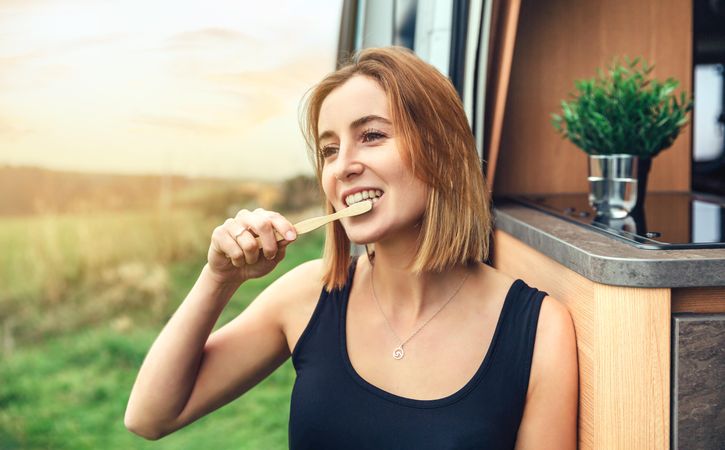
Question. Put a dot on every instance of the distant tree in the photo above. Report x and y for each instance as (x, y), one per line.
(299, 193)
(31, 190)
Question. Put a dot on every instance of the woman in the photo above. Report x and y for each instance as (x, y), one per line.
(415, 344)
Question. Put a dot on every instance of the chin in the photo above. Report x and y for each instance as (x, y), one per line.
(361, 239)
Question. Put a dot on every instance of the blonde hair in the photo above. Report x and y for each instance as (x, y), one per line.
(437, 145)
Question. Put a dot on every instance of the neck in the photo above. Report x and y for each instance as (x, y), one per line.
(407, 298)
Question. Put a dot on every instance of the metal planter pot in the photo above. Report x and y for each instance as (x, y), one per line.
(613, 184)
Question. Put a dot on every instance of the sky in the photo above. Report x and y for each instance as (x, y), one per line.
(158, 86)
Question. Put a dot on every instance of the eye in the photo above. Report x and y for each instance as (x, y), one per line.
(372, 135)
(328, 151)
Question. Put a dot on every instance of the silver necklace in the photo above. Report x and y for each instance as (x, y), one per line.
(398, 353)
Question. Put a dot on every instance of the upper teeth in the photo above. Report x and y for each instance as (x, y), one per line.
(372, 194)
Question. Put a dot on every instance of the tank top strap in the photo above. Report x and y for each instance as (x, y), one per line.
(515, 347)
(322, 330)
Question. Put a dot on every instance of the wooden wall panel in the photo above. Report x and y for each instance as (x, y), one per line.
(559, 41)
(623, 345)
(504, 25)
(698, 300)
(632, 361)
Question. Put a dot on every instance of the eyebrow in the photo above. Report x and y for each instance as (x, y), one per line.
(357, 123)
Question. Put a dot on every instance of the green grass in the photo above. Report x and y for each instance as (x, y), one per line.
(69, 390)
(60, 273)
(71, 393)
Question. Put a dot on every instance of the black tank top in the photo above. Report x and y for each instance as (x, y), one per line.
(333, 407)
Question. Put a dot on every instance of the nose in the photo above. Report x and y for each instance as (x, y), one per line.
(346, 164)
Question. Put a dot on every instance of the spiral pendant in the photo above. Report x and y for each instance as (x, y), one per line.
(398, 353)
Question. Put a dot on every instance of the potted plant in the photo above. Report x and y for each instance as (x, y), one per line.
(622, 119)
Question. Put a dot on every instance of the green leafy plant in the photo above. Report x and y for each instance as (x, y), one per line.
(623, 112)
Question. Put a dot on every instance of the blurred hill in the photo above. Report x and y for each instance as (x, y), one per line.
(32, 190)
(81, 248)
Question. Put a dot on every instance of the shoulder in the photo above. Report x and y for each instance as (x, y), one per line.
(490, 277)
(555, 323)
(308, 274)
(300, 283)
(555, 344)
(295, 293)
(550, 414)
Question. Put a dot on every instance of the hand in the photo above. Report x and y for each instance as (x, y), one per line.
(234, 254)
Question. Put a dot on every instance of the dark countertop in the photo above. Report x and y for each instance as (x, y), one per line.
(607, 260)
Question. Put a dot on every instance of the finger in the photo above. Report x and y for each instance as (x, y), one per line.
(283, 226)
(250, 247)
(280, 253)
(235, 228)
(242, 213)
(225, 244)
(262, 226)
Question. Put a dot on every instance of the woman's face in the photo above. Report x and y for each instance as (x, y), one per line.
(361, 155)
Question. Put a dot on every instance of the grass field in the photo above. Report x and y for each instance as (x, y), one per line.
(81, 301)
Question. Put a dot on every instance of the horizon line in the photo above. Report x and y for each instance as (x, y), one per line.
(4, 165)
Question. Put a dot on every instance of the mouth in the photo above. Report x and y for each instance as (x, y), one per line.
(368, 194)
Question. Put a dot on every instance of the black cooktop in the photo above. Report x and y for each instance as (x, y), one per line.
(670, 220)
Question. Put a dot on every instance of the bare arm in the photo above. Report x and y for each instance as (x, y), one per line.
(188, 373)
(550, 415)
(167, 376)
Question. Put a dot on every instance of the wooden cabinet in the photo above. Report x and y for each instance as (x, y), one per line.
(623, 340)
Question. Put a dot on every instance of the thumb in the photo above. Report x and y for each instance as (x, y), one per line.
(280, 253)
